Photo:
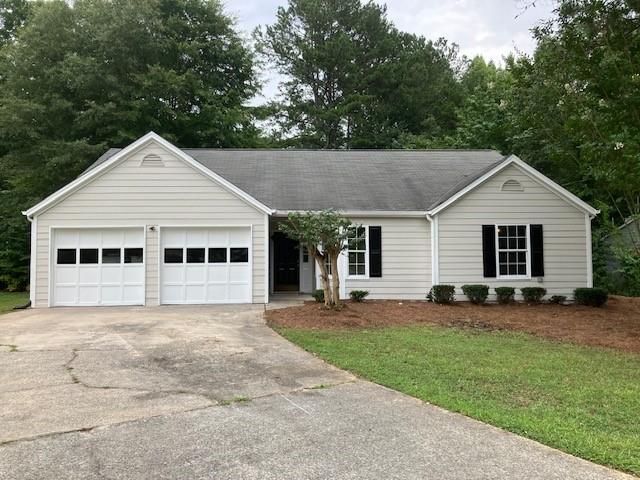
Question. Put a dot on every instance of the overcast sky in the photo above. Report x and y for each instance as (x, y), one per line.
(491, 28)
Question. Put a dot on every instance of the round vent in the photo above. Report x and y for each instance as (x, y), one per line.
(152, 160)
(512, 185)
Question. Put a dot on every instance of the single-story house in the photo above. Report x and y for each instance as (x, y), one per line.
(154, 224)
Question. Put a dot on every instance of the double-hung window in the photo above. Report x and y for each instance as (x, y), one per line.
(357, 242)
(513, 250)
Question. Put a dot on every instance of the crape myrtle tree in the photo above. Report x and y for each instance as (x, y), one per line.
(325, 236)
(78, 77)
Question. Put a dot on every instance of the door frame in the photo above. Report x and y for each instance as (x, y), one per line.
(50, 266)
(297, 255)
(160, 227)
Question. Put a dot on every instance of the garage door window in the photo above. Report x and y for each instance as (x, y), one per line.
(88, 255)
(66, 256)
(133, 255)
(195, 255)
(110, 255)
(239, 255)
(217, 255)
(172, 255)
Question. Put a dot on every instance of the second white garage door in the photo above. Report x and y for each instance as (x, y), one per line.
(205, 265)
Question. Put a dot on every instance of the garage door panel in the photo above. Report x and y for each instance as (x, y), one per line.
(83, 279)
(208, 282)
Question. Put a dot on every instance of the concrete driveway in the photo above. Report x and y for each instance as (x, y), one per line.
(211, 392)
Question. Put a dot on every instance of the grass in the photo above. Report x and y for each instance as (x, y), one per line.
(581, 400)
(8, 300)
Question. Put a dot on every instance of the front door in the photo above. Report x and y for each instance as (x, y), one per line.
(286, 264)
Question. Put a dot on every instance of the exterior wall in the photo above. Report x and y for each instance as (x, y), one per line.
(406, 259)
(565, 234)
(133, 195)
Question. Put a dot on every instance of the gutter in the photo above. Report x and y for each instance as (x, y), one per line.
(435, 249)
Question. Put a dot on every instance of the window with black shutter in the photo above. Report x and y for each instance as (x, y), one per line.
(489, 250)
(375, 251)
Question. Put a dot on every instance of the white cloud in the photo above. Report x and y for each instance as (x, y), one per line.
(491, 28)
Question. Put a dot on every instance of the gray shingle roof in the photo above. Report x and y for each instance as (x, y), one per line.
(400, 180)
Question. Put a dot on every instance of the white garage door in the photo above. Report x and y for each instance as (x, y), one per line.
(98, 266)
(205, 265)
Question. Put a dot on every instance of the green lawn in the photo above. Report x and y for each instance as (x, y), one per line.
(585, 401)
(8, 300)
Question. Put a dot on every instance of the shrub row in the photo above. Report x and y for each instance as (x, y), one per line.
(477, 294)
(356, 295)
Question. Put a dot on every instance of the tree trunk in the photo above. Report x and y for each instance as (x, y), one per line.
(336, 279)
(324, 278)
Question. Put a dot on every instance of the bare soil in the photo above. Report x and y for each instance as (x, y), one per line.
(616, 325)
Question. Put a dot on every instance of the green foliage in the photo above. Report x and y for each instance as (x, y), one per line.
(80, 76)
(318, 295)
(533, 294)
(444, 294)
(505, 295)
(324, 234)
(593, 297)
(352, 79)
(10, 300)
(476, 293)
(358, 295)
(581, 400)
(558, 299)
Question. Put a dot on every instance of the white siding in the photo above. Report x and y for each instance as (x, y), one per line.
(406, 259)
(133, 195)
(460, 233)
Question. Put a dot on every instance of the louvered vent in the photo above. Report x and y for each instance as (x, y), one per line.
(512, 185)
(152, 160)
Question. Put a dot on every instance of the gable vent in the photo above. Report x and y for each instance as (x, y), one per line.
(152, 160)
(512, 185)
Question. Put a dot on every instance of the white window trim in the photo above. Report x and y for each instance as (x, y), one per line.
(528, 234)
(366, 256)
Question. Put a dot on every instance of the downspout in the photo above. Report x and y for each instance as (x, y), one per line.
(32, 262)
(435, 267)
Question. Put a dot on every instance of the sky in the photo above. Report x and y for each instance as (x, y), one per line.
(491, 28)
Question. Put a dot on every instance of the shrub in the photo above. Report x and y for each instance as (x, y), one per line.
(318, 295)
(442, 294)
(593, 297)
(505, 294)
(558, 299)
(533, 294)
(476, 293)
(358, 295)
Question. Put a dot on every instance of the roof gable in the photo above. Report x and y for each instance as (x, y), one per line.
(117, 156)
(534, 174)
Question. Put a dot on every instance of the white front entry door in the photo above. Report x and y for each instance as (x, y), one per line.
(205, 265)
(94, 266)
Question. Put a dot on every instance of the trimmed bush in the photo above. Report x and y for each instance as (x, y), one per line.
(505, 294)
(318, 295)
(592, 297)
(476, 293)
(558, 299)
(442, 294)
(358, 295)
(533, 294)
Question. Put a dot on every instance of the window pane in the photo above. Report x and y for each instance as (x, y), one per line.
(360, 269)
(522, 269)
(195, 255)
(88, 255)
(503, 269)
(522, 243)
(352, 270)
(66, 256)
(502, 231)
(360, 257)
(513, 257)
(522, 230)
(133, 255)
(511, 230)
(503, 257)
(522, 257)
(239, 255)
(513, 243)
(352, 257)
(502, 243)
(172, 255)
(217, 255)
(110, 255)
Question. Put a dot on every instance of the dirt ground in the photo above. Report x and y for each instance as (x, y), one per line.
(616, 325)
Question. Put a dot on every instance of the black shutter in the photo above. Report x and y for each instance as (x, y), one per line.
(537, 251)
(489, 250)
(375, 251)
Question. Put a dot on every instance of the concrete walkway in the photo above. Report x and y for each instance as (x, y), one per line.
(211, 392)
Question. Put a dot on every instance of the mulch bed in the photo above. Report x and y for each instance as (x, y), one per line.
(616, 325)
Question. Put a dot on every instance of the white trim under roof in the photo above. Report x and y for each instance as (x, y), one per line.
(142, 141)
(360, 213)
(533, 173)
